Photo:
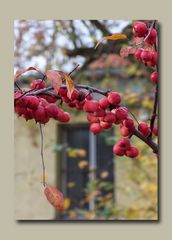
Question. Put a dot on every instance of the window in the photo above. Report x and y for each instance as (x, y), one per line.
(99, 157)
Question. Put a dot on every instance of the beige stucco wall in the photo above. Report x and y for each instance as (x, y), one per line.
(30, 202)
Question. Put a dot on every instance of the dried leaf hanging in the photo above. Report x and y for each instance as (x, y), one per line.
(55, 197)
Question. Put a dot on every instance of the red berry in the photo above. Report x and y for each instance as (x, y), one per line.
(28, 114)
(114, 98)
(43, 102)
(19, 110)
(92, 118)
(124, 131)
(49, 98)
(138, 52)
(154, 77)
(74, 95)
(132, 152)
(146, 56)
(155, 131)
(124, 143)
(37, 84)
(44, 120)
(71, 104)
(91, 106)
(144, 129)
(52, 110)
(105, 125)
(63, 116)
(100, 112)
(129, 123)
(66, 99)
(121, 113)
(109, 117)
(39, 114)
(33, 102)
(155, 57)
(17, 95)
(95, 128)
(89, 97)
(79, 105)
(22, 102)
(151, 63)
(117, 150)
(151, 39)
(140, 29)
(104, 103)
(62, 92)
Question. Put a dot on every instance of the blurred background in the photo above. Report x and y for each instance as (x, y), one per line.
(96, 184)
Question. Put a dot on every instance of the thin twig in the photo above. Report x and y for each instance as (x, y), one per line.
(44, 90)
(42, 154)
(73, 70)
(16, 84)
(134, 117)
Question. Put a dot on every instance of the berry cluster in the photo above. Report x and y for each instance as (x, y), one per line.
(124, 147)
(39, 107)
(107, 111)
(147, 56)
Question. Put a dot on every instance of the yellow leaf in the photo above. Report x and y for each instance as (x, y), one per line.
(71, 184)
(69, 82)
(82, 164)
(72, 153)
(115, 36)
(66, 203)
(82, 153)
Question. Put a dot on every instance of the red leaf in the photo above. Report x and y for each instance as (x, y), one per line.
(20, 72)
(55, 197)
(54, 79)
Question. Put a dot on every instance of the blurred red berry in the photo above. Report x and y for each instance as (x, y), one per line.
(140, 29)
(154, 77)
(132, 152)
(114, 98)
(33, 102)
(95, 128)
(144, 129)
(104, 103)
(138, 52)
(91, 106)
(117, 150)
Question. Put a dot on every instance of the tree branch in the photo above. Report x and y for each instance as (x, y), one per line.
(148, 141)
(47, 90)
(101, 27)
